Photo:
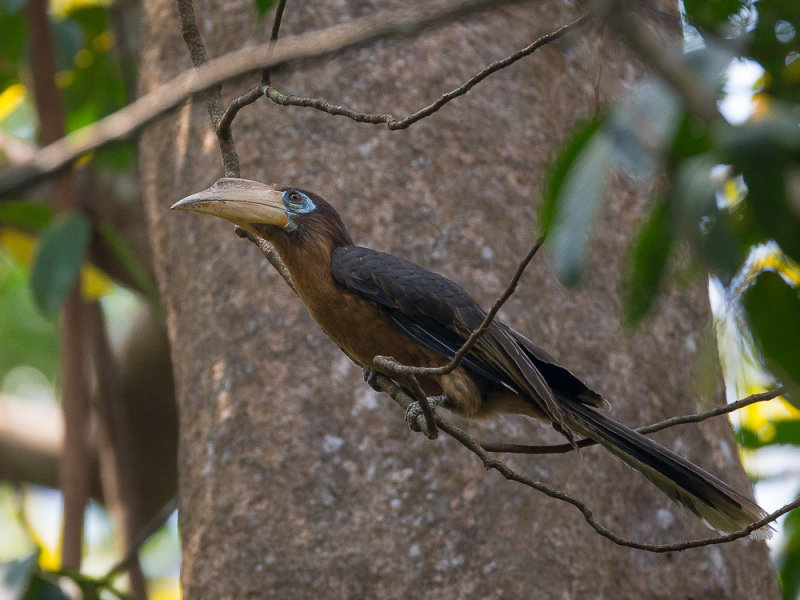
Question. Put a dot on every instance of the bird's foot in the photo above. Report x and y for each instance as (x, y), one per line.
(369, 377)
(414, 416)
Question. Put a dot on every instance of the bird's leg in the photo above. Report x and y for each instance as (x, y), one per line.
(414, 411)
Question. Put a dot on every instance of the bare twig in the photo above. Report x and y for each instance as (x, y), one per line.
(197, 50)
(394, 123)
(237, 104)
(388, 386)
(391, 365)
(128, 120)
(276, 27)
(665, 424)
(136, 544)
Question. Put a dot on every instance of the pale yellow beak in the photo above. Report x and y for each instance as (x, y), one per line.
(240, 201)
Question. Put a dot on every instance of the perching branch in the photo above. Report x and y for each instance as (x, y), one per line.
(384, 384)
(126, 121)
(665, 424)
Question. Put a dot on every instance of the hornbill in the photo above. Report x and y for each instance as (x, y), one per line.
(375, 304)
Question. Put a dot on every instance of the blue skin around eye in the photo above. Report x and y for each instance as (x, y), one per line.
(293, 208)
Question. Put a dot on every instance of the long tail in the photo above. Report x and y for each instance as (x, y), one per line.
(713, 500)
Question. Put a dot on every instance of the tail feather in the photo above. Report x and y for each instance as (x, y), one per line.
(719, 505)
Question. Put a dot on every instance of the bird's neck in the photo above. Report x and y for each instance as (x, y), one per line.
(308, 260)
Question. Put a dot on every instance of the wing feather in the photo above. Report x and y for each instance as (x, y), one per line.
(439, 315)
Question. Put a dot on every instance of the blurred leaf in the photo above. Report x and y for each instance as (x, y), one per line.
(26, 337)
(12, 6)
(773, 310)
(789, 557)
(43, 589)
(650, 256)
(782, 432)
(94, 283)
(117, 157)
(69, 40)
(262, 7)
(712, 15)
(643, 126)
(62, 250)
(132, 265)
(15, 575)
(12, 42)
(576, 206)
(19, 245)
(561, 165)
(26, 215)
(767, 154)
(10, 99)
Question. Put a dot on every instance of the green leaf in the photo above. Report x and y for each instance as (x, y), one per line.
(12, 6)
(788, 560)
(262, 7)
(773, 310)
(41, 588)
(785, 433)
(62, 250)
(560, 167)
(575, 207)
(650, 256)
(643, 126)
(27, 215)
(139, 275)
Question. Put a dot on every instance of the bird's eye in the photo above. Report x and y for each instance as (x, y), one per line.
(295, 197)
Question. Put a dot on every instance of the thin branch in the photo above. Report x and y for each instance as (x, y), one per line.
(237, 104)
(665, 424)
(126, 121)
(383, 383)
(265, 89)
(390, 120)
(390, 364)
(276, 27)
(136, 544)
(197, 51)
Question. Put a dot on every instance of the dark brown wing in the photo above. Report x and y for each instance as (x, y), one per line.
(439, 315)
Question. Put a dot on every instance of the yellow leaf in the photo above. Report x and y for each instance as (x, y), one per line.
(60, 9)
(10, 99)
(94, 283)
(20, 246)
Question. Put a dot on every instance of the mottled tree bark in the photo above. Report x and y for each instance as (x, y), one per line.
(297, 480)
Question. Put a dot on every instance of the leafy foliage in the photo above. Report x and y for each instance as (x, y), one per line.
(732, 190)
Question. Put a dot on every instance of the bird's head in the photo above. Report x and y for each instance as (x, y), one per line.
(274, 213)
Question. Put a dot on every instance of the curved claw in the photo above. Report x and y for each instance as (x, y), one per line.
(369, 377)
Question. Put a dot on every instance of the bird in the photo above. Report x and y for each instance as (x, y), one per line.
(372, 304)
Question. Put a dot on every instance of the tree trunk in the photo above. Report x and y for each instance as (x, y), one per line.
(298, 481)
